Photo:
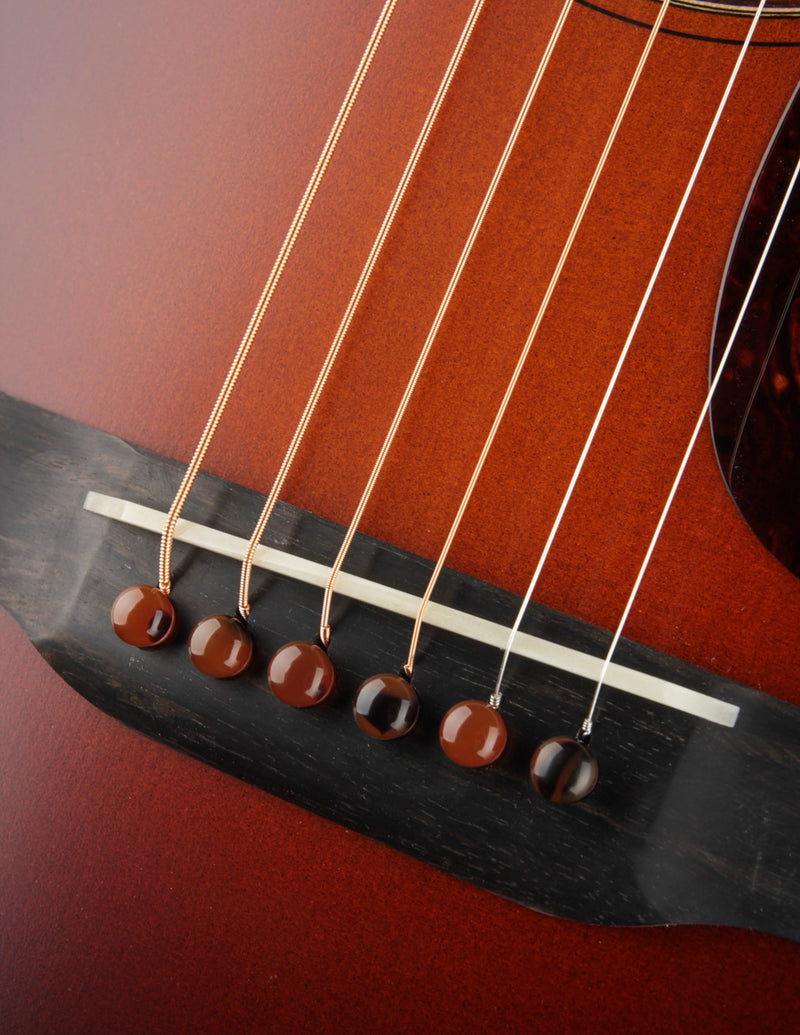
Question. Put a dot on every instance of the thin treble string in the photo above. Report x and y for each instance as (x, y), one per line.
(168, 535)
(757, 383)
(355, 299)
(496, 696)
(408, 668)
(324, 630)
(586, 728)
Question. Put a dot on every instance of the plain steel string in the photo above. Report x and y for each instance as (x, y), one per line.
(325, 630)
(355, 299)
(761, 374)
(737, 9)
(586, 726)
(496, 696)
(408, 668)
(168, 535)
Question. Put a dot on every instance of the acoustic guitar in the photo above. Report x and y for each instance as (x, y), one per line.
(153, 158)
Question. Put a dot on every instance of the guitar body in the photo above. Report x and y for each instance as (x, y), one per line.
(154, 159)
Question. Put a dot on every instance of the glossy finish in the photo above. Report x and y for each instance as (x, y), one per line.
(564, 770)
(301, 674)
(756, 409)
(653, 814)
(386, 707)
(143, 616)
(155, 155)
(473, 734)
(220, 646)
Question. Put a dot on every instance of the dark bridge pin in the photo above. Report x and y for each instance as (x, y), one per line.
(386, 707)
(564, 769)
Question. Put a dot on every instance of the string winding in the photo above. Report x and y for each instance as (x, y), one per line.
(352, 305)
(408, 668)
(324, 629)
(496, 697)
(168, 535)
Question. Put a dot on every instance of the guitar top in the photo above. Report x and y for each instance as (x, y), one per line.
(152, 162)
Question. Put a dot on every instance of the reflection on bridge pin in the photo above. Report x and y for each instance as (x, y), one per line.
(220, 646)
(301, 674)
(564, 769)
(386, 707)
(473, 734)
(143, 616)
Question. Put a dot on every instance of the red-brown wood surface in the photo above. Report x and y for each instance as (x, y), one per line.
(152, 158)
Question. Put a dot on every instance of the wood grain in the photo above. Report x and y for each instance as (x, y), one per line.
(155, 156)
(658, 842)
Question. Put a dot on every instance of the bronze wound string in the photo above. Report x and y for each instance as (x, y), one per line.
(144, 616)
(355, 299)
(385, 704)
(408, 668)
(301, 673)
(220, 645)
(473, 733)
(325, 631)
(497, 694)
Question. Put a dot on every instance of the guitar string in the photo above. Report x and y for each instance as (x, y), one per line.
(761, 375)
(588, 722)
(168, 535)
(408, 667)
(324, 629)
(497, 696)
(355, 299)
(738, 10)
